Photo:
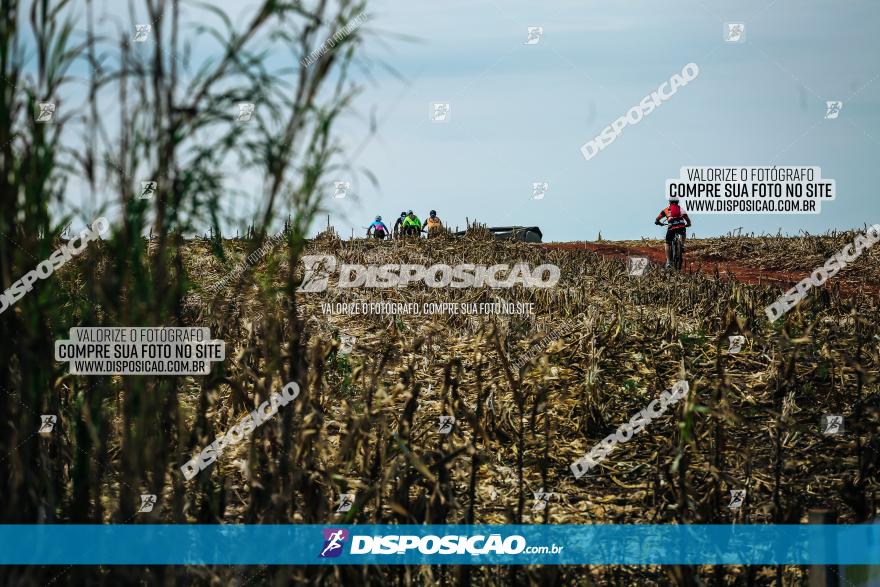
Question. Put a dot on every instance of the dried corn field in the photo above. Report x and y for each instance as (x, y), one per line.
(366, 422)
(752, 422)
(146, 126)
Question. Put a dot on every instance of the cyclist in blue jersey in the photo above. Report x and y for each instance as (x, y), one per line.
(378, 228)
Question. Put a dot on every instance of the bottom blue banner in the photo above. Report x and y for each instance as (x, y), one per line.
(433, 545)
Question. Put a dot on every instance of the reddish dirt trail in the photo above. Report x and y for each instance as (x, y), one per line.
(725, 269)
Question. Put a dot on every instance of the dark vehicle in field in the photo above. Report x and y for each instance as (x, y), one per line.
(529, 234)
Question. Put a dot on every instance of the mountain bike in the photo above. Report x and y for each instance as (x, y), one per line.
(677, 248)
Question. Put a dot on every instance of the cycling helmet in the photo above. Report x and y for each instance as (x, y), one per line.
(410, 212)
(433, 212)
(378, 219)
(402, 214)
(673, 200)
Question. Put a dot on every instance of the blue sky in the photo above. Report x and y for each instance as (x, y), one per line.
(520, 113)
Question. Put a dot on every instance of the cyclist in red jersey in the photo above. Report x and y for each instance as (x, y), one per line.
(677, 221)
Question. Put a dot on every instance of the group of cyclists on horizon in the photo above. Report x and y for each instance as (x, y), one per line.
(406, 225)
(677, 223)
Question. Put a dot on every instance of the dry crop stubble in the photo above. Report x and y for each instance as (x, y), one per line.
(366, 422)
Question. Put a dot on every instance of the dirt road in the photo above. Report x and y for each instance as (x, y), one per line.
(694, 263)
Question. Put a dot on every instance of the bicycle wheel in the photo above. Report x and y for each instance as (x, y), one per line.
(678, 253)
